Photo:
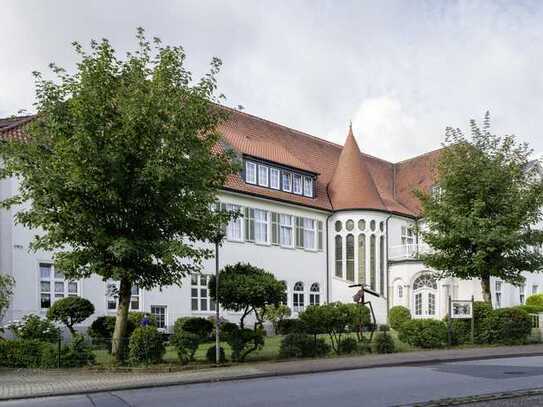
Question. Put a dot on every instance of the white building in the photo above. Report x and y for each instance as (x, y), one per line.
(320, 216)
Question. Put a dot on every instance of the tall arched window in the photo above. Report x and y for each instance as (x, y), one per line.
(349, 254)
(298, 297)
(382, 265)
(339, 256)
(424, 289)
(315, 294)
(362, 258)
(372, 261)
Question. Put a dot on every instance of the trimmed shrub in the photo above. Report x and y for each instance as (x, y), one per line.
(481, 314)
(244, 341)
(27, 353)
(70, 311)
(201, 327)
(397, 316)
(146, 346)
(535, 299)
(531, 309)
(298, 345)
(510, 326)
(424, 333)
(460, 330)
(77, 353)
(291, 326)
(384, 343)
(186, 345)
(32, 327)
(211, 355)
(275, 314)
(348, 345)
(228, 329)
(101, 330)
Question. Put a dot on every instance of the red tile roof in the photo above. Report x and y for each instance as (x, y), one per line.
(346, 177)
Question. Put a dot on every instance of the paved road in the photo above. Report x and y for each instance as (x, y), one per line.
(366, 387)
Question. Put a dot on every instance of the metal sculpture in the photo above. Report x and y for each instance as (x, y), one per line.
(359, 298)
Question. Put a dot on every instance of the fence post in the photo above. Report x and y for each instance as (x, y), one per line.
(472, 320)
(59, 350)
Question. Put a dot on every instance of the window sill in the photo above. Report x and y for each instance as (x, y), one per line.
(234, 240)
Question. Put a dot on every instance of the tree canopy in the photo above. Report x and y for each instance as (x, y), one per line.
(480, 223)
(70, 311)
(121, 167)
(247, 288)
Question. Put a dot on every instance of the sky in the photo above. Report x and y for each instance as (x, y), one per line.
(401, 71)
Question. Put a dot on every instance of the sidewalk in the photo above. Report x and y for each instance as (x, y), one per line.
(23, 383)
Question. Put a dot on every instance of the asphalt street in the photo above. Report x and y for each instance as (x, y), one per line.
(391, 386)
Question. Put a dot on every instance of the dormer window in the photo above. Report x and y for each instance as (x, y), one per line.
(275, 178)
(287, 181)
(297, 184)
(308, 187)
(262, 175)
(250, 172)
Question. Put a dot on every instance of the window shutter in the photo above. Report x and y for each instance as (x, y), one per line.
(275, 228)
(249, 224)
(299, 232)
(319, 235)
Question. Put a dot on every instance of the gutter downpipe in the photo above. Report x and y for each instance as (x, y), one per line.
(327, 261)
(387, 274)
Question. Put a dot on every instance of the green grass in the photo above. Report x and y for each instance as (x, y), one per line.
(269, 352)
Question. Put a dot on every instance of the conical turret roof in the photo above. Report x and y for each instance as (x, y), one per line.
(352, 186)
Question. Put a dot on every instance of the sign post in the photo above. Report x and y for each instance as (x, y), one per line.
(462, 309)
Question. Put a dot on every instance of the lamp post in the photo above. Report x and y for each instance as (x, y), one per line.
(217, 312)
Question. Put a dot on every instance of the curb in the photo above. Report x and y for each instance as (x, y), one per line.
(271, 374)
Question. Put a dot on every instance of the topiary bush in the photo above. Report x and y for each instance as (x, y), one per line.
(299, 345)
(27, 353)
(228, 328)
(291, 326)
(70, 311)
(384, 343)
(77, 353)
(32, 327)
(186, 344)
(535, 299)
(348, 345)
(146, 346)
(201, 327)
(424, 333)
(101, 330)
(243, 341)
(510, 326)
(397, 316)
(211, 355)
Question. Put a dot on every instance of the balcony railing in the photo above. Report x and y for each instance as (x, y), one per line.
(407, 251)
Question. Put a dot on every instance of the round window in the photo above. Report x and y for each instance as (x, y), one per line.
(362, 224)
(372, 225)
(349, 225)
(338, 226)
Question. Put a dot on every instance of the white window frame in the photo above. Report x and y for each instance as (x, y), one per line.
(297, 184)
(498, 293)
(196, 287)
(315, 294)
(408, 236)
(298, 297)
(275, 178)
(250, 172)
(234, 225)
(286, 228)
(263, 175)
(522, 294)
(307, 230)
(286, 176)
(112, 296)
(157, 316)
(400, 291)
(55, 279)
(535, 289)
(308, 187)
(261, 225)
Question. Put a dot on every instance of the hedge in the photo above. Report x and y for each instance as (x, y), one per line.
(535, 299)
(397, 316)
(424, 333)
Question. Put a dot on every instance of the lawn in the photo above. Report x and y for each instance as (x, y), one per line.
(270, 351)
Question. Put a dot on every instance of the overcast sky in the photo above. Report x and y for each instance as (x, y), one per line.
(401, 71)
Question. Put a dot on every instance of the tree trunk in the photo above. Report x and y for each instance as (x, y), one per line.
(485, 286)
(119, 340)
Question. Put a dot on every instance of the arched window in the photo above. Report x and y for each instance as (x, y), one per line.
(382, 265)
(400, 291)
(362, 224)
(338, 226)
(425, 281)
(349, 252)
(298, 297)
(362, 258)
(382, 226)
(349, 225)
(373, 248)
(315, 294)
(339, 256)
(372, 225)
